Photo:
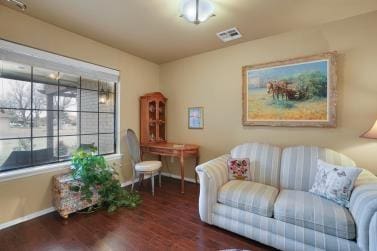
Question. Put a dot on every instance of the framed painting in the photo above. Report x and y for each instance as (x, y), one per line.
(195, 118)
(295, 92)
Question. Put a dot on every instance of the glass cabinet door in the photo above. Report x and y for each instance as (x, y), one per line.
(161, 121)
(153, 118)
(152, 130)
(161, 111)
(152, 109)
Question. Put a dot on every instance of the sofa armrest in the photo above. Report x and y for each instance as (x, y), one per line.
(363, 207)
(372, 233)
(212, 175)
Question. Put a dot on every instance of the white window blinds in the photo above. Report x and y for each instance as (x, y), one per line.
(26, 55)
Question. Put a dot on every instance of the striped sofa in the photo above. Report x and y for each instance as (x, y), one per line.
(276, 208)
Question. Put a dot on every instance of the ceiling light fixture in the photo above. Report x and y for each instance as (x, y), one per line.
(197, 11)
(19, 4)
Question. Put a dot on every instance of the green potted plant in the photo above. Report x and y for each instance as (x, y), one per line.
(95, 174)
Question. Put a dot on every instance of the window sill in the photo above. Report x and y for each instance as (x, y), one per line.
(31, 171)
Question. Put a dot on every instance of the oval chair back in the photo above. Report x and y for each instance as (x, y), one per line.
(134, 151)
(133, 147)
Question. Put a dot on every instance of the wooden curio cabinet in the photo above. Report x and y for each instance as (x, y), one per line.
(152, 118)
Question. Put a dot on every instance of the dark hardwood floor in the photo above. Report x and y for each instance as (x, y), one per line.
(169, 221)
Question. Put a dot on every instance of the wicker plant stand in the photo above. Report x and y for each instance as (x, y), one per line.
(67, 201)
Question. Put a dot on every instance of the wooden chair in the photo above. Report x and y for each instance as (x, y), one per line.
(139, 167)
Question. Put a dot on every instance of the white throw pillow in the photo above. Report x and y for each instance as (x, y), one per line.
(335, 182)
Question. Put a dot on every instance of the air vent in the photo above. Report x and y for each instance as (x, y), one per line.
(19, 4)
(229, 35)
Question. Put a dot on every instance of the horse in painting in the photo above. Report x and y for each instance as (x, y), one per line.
(278, 89)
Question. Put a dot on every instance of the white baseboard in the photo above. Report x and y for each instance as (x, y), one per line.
(52, 209)
(129, 182)
(43, 212)
(178, 177)
(27, 217)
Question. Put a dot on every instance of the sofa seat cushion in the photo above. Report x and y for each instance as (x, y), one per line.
(249, 196)
(311, 211)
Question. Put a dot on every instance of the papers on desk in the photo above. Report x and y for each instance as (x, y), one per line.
(178, 146)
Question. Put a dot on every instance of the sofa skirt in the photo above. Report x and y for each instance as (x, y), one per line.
(277, 234)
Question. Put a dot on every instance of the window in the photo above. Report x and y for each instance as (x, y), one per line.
(45, 115)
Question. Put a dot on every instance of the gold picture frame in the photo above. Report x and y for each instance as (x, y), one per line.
(195, 117)
(299, 92)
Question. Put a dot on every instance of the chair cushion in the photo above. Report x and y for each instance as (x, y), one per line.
(311, 211)
(148, 166)
(249, 196)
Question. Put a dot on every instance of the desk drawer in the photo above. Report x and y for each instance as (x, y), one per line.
(161, 151)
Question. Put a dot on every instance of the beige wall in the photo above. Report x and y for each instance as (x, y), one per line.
(27, 195)
(213, 80)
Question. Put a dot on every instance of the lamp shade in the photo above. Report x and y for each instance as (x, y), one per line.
(371, 133)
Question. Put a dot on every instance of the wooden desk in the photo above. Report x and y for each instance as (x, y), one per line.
(168, 149)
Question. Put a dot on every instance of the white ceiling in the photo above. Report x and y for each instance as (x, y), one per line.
(152, 29)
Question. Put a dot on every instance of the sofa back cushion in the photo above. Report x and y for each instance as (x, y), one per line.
(264, 161)
(299, 165)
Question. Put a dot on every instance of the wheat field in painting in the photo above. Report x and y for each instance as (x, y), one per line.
(261, 107)
(293, 92)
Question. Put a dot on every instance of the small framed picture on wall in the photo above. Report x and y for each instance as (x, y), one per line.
(195, 118)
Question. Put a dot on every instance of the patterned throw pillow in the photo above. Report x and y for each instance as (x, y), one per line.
(335, 182)
(239, 169)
